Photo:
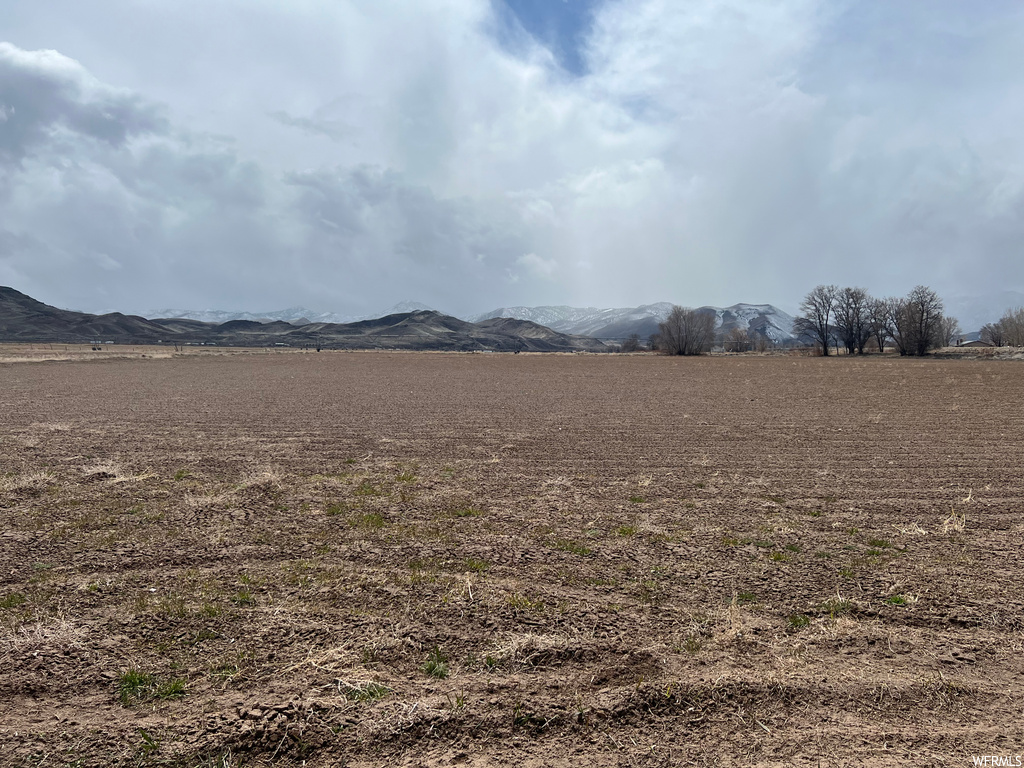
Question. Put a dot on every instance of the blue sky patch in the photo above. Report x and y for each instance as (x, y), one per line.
(559, 25)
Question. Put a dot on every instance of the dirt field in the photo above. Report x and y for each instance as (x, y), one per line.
(428, 560)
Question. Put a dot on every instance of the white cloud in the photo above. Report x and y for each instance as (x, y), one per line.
(537, 266)
(351, 154)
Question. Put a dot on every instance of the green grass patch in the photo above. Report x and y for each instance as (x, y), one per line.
(567, 545)
(799, 621)
(837, 606)
(136, 687)
(339, 508)
(366, 488)
(436, 664)
(369, 520)
(243, 598)
(522, 602)
(13, 600)
(366, 692)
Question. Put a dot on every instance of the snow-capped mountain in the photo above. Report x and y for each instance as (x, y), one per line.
(586, 321)
(293, 315)
(620, 323)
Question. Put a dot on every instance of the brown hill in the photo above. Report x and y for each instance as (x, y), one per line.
(22, 318)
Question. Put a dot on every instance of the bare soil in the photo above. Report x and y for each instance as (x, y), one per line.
(429, 559)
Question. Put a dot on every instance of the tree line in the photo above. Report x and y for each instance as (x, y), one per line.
(915, 323)
(833, 318)
(1008, 331)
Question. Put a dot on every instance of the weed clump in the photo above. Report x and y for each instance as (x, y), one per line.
(137, 687)
(370, 691)
(436, 664)
(566, 545)
(799, 621)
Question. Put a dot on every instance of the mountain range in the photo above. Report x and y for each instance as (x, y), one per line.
(293, 315)
(618, 324)
(605, 324)
(22, 318)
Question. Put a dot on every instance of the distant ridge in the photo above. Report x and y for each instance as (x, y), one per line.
(293, 315)
(22, 318)
(618, 324)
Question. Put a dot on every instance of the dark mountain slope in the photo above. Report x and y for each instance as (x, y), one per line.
(22, 318)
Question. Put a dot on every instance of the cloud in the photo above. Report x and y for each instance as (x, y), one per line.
(349, 155)
(335, 130)
(537, 266)
(43, 94)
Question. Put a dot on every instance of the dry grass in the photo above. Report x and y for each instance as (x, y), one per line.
(55, 633)
(29, 482)
(955, 522)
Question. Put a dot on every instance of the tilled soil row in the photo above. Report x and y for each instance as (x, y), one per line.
(476, 560)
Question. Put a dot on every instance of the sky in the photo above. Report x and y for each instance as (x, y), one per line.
(346, 155)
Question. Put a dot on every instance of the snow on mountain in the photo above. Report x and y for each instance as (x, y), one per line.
(406, 306)
(293, 315)
(621, 322)
(766, 319)
(616, 323)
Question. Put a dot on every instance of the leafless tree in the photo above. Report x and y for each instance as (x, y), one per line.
(1013, 327)
(817, 307)
(878, 322)
(915, 323)
(762, 341)
(737, 340)
(949, 331)
(925, 309)
(994, 334)
(631, 344)
(898, 323)
(852, 319)
(687, 332)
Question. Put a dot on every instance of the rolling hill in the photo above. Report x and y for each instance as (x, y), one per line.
(22, 318)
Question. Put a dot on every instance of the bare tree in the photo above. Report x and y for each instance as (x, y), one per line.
(878, 322)
(897, 323)
(1013, 327)
(737, 340)
(762, 341)
(687, 332)
(631, 344)
(852, 319)
(949, 331)
(994, 334)
(915, 323)
(925, 308)
(817, 307)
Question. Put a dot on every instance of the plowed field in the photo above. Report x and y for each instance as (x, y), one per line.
(426, 559)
